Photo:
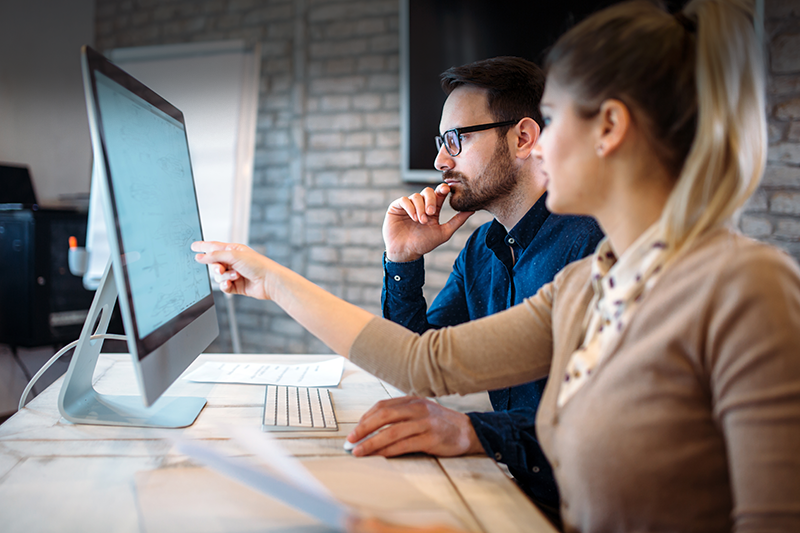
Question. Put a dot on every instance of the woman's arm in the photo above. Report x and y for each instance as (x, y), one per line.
(241, 270)
(753, 351)
(505, 349)
(502, 350)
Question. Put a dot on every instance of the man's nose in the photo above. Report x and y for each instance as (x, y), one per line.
(444, 161)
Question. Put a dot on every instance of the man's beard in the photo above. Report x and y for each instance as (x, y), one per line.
(498, 180)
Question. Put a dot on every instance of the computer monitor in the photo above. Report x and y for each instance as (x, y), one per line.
(148, 198)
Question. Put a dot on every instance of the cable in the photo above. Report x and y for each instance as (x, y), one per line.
(55, 358)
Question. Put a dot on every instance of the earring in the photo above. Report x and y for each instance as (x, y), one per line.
(600, 150)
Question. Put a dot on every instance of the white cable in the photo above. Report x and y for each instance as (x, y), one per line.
(55, 358)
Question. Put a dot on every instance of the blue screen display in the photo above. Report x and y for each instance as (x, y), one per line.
(157, 214)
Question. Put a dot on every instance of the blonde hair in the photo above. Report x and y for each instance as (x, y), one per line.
(696, 82)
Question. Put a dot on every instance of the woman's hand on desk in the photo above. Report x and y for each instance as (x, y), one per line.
(373, 525)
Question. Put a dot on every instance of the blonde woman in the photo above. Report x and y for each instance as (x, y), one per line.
(673, 402)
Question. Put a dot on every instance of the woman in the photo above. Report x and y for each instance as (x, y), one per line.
(674, 394)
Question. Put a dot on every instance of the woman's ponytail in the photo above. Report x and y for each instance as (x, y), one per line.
(728, 155)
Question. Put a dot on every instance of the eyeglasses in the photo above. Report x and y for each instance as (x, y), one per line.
(452, 138)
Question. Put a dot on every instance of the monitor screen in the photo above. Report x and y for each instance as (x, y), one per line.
(156, 209)
(145, 189)
(148, 175)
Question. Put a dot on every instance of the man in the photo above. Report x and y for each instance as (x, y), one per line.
(490, 123)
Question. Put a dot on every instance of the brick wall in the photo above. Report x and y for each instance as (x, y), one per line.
(328, 140)
(327, 153)
(773, 214)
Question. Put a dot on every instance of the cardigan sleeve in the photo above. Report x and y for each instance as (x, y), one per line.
(505, 349)
(753, 357)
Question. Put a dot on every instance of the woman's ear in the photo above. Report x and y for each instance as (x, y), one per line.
(613, 124)
(526, 133)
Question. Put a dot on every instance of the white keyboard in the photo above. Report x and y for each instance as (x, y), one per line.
(298, 409)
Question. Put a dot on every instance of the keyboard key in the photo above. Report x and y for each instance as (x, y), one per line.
(316, 408)
(271, 407)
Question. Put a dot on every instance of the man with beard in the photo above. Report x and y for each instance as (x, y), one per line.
(490, 123)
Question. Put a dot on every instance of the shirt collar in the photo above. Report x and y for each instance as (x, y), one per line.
(525, 230)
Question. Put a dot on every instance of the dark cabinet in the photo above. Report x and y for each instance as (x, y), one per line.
(41, 302)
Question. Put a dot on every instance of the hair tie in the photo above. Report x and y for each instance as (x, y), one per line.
(687, 23)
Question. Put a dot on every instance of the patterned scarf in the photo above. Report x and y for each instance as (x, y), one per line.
(619, 286)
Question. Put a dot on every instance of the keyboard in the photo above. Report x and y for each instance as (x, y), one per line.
(298, 409)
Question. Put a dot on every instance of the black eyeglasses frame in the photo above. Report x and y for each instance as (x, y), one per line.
(458, 132)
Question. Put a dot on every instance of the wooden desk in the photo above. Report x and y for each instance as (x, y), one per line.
(56, 476)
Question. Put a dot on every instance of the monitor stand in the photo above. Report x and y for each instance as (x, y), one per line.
(80, 403)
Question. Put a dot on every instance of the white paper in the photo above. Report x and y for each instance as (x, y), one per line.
(324, 508)
(321, 374)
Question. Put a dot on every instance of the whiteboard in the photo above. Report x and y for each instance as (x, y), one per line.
(215, 85)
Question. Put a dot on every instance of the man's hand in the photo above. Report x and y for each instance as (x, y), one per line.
(411, 227)
(414, 425)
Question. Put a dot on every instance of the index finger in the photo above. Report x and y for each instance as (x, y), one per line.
(208, 246)
(379, 415)
(431, 200)
(225, 256)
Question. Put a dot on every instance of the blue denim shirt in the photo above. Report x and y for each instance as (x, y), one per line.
(485, 280)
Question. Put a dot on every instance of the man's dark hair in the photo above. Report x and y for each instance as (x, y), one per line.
(514, 86)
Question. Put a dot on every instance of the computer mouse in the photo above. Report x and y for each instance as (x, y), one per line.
(348, 446)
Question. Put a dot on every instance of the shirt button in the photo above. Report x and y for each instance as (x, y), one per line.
(498, 456)
(511, 240)
(397, 278)
(535, 469)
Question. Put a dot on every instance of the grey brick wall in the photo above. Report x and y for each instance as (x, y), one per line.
(773, 214)
(328, 140)
(327, 152)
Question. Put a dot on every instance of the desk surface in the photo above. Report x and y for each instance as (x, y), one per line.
(56, 476)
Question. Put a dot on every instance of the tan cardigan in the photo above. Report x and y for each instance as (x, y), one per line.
(692, 423)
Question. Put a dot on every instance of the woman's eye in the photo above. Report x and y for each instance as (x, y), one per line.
(546, 121)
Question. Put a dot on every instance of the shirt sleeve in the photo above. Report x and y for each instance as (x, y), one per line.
(752, 353)
(510, 437)
(403, 302)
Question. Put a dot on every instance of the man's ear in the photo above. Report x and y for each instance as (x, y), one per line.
(526, 134)
(613, 123)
